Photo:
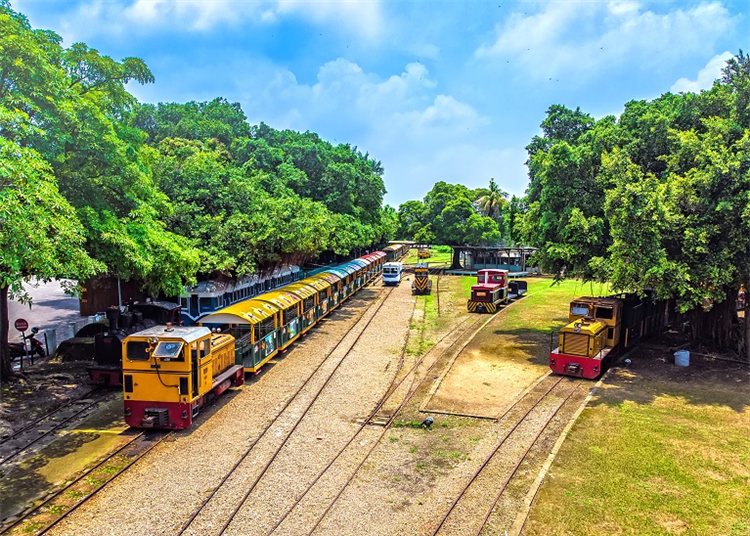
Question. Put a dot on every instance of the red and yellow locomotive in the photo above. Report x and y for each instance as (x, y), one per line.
(490, 291)
(601, 328)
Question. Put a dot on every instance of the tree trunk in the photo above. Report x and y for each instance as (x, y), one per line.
(456, 264)
(5, 368)
(747, 324)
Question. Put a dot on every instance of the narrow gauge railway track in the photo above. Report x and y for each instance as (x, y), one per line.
(11, 447)
(196, 513)
(65, 500)
(15, 433)
(389, 422)
(471, 515)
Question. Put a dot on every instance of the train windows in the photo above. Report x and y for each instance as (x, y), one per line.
(266, 327)
(205, 347)
(207, 304)
(604, 313)
(290, 314)
(137, 350)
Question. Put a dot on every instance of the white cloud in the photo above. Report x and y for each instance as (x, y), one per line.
(127, 17)
(420, 134)
(706, 76)
(579, 40)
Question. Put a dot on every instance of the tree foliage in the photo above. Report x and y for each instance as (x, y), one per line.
(448, 216)
(93, 181)
(658, 198)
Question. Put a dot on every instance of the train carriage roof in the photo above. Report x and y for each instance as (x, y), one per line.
(338, 271)
(280, 298)
(361, 263)
(245, 312)
(315, 282)
(375, 255)
(327, 276)
(301, 289)
(350, 267)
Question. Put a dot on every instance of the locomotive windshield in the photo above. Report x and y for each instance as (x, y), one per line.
(168, 350)
(137, 350)
(579, 309)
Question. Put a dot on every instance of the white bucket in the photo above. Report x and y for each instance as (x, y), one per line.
(682, 358)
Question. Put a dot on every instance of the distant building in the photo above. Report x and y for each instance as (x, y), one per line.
(513, 259)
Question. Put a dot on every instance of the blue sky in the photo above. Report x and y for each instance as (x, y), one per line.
(444, 90)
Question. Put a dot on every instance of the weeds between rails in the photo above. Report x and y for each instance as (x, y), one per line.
(247, 452)
(410, 393)
(17, 433)
(488, 459)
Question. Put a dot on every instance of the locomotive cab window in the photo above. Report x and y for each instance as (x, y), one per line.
(136, 350)
(578, 309)
(605, 313)
(169, 351)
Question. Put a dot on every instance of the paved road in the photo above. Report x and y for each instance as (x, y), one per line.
(51, 309)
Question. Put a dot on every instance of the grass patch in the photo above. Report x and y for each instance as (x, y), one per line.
(56, 509)
(75, 495)
(647, 458)
(32, 527)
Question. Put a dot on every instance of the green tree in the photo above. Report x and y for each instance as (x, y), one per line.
(40, 235)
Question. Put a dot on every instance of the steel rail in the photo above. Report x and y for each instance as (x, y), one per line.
(291, 399)
(522, 458)
(492, 454)
(388, 425)
(55, 428)
(114, 476)
(273, 458)
(16, 433)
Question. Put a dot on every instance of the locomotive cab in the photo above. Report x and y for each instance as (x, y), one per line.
(589, 339)
(490, 291)
(169, 373)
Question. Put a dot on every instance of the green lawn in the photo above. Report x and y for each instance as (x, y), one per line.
(654, 453)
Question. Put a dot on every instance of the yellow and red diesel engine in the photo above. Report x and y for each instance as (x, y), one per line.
(170, 373)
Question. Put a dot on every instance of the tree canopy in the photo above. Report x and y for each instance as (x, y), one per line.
(92, 181)
(448, 215)
(658, 198)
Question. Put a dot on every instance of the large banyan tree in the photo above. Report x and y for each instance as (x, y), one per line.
(658, 198)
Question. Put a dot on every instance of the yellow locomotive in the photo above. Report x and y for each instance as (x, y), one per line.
(421, 283)
(170, 373)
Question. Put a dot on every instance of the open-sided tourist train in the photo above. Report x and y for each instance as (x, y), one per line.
(396, 251)
(171, 372)
(599, 329)
(200, 300)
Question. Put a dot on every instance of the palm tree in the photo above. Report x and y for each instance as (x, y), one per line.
(491, 204)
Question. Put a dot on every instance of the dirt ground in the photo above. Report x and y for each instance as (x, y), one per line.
(42, 387)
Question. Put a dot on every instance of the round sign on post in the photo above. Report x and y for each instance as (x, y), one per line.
(21, 324)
